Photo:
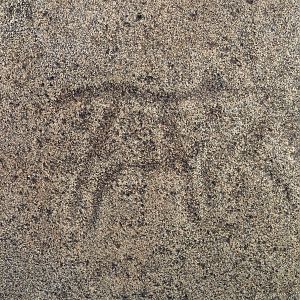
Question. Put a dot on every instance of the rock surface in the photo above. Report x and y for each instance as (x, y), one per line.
(149, 149)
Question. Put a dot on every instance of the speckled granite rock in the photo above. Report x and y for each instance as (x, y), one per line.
(149, 149)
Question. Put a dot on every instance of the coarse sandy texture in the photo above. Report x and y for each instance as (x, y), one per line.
(149, 149)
